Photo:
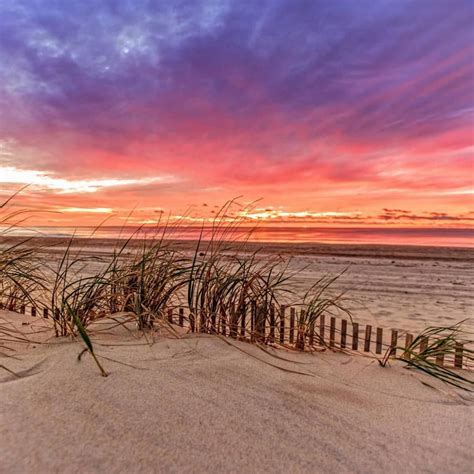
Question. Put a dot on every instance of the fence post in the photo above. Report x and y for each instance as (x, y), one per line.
(343, 333)
(45, 313)
(253, 319)
(243, 316)
(33, 311)
(223, 318)
(300, 334)
(311, 333)
(355, 336)
(292, 325)
(260, 320)
(232, 322)
(378, 341)
(458, 355)
(271, 336)
(393, 343)
(408, 342)
(423, 344)
(332, 332)
(282, 324)
(22, 309)
(170, 315)
(368, 334)
(181, 317)
(322, 325)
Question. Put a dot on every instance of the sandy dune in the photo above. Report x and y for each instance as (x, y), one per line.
(198, 405)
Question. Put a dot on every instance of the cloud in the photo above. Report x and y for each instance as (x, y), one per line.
(274, 98)
(428, 216)
(95, 210)
(41, 180)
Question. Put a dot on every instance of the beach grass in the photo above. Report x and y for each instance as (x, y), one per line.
(228, 290)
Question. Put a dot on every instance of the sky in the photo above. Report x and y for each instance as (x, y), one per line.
(348, 112)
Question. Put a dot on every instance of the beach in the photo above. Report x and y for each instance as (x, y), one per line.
(407, 288)
(236, 237)
(174, 401)
(197, 404)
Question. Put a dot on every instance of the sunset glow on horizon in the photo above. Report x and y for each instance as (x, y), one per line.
(320, 113)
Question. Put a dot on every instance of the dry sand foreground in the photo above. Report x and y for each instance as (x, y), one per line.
(198, 405)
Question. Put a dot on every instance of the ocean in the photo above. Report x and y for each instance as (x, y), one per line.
(443, 237)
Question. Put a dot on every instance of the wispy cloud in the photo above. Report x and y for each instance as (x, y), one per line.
(93, 210)
(42, 181)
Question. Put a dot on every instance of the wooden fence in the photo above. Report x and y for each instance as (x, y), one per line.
(282, 326)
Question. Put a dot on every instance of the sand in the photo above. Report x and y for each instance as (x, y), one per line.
(395, 287)
(196, 404)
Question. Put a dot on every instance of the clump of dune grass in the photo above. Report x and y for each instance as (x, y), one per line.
(227, 288)
(434, 345)
(147, 284)
(20, 272)
(319, 301)
(75, 291)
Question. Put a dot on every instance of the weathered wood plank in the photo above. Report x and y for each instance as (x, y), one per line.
(301, 333)
(393, 343)
(367, 337)
(243, 322)
(332, 332)
(378, 341)
(292, 325)
(343, 333)
(424, 344)
(408, 343)
(282, 323)
(271, 335)
(322, 327)
(355, 336)
(311, 333)
(458, 355)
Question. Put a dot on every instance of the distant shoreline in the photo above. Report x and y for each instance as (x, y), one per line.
(104, 245)
(270, 235)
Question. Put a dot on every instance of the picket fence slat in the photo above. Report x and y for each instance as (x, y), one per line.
(332, 332)
(343, 333)
(282, 324)
(408, 343)
(292, 325)
(368, 334)
(271, 336)
(378, 341)
(322, 322)
(355, 336)
(393, 342)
